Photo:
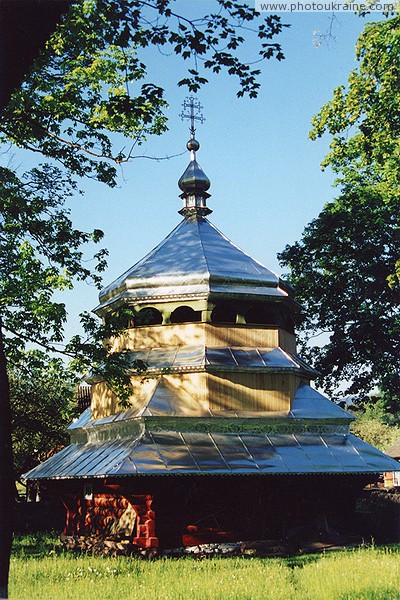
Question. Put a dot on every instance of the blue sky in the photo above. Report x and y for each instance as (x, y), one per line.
(266, 181)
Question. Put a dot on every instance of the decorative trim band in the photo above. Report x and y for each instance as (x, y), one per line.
(247, 426)
(133, 428)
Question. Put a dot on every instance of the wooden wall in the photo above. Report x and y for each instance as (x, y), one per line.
(207, 334)
(220, 391)
(251, 391)
(196, 392)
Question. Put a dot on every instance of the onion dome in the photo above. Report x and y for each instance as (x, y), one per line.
(194, 184)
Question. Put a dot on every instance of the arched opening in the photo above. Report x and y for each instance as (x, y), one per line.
(148, 316)
(185, 314)
(262, 315)
(223, 313)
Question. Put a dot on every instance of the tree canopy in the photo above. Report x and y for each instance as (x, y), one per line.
(43, 403)
(346, 266)
(363, 118)
(40, 252)
(90, 83)
(87, 98)
(375, 425)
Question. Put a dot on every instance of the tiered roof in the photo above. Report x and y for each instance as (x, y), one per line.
(174, 429)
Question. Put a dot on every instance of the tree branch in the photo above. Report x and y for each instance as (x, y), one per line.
(33, 340)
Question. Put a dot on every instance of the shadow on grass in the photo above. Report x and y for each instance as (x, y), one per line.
(43, 544)
(37, 545)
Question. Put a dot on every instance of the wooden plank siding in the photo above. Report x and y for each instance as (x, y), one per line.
(251, 391)
(207, 334)
(224, 391)
(104, 401)
(219, 391)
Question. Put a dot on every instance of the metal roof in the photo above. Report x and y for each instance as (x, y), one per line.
(194, 260)
(310, 404)
(170, 431)
(311, 438)
(224, 358)
(166, 401)
(172, 453)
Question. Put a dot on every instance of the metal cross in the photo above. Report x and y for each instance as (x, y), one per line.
(195, 112)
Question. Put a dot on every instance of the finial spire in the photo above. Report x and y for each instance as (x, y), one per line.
(194, 115)
(194, 183)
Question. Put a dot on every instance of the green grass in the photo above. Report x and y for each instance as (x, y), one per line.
(40, 570)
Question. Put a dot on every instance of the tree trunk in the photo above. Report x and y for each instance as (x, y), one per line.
(7, 484)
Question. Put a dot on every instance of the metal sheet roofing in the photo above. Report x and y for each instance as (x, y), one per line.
(310, 404)
(194, 259)
(166, 400)
(190, 357)
(171, 452)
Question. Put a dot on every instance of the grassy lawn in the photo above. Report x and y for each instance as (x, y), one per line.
(40, 570)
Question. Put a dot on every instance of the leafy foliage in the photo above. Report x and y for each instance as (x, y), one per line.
(94, 353)
(90, 82)
(87, 86)
(364, 118)
(40, 252)
(374, 424)
(346, 267)
(375, 432)
(341, 270)
(42, 404)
